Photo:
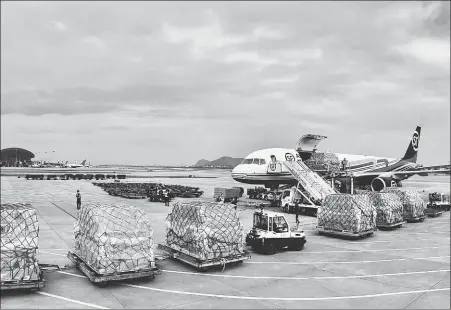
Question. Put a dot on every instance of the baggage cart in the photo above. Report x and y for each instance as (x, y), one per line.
(102, 280)
(203, 265)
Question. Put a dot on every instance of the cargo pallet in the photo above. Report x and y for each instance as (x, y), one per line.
(433, 212)
(389, 226)
(102, 280)
(345, 233)
(202, 265)
(32, 285)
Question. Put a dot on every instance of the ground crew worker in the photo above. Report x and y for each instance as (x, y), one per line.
(234, 201)
(78, 195)
(344, 163)
(297, 210)
(166, 198)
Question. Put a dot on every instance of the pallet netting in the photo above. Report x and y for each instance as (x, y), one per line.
(344, 212)
(19, 242)
(205, 230)
(114, 238)
(413, 204)
(323, 161)
(389, 208)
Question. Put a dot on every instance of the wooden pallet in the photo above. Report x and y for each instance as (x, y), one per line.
(103, 279)
(202, 264)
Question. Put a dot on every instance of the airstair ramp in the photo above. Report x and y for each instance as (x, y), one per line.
(311, 181)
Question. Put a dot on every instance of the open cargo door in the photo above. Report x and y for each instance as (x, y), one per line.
(308, 143)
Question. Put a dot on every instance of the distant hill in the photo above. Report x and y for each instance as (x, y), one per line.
(223, 161)
(203, 162)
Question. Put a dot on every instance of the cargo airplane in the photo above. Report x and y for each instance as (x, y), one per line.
(75, 165)
(264, 166)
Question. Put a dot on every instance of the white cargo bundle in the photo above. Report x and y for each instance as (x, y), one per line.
(114, 238)
(389, 209)
(19, 242)
(347, 214)
(205, 230)
(413, 204)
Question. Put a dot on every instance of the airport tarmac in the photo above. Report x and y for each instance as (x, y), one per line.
(404, 268)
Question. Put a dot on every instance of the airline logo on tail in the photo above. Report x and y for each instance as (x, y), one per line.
(415, 140)
(412, 150)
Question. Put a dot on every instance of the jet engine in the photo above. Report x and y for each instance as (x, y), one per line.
(380, 183)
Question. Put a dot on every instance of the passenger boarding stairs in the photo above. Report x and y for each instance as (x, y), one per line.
(312, 182)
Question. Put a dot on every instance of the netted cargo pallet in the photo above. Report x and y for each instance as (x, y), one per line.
(389, 209)
(347, 215)
(204, 234)
(19, 243)
(112, 240)
(323, 162)
(413, 204)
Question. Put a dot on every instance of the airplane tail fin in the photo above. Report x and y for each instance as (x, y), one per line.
(412, 150)
(83, 162)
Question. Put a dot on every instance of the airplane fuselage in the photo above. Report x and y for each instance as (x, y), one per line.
(255, 168)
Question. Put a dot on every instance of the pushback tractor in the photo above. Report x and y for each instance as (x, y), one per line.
(271, 232)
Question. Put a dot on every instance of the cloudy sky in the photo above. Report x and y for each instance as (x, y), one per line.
(174, 82)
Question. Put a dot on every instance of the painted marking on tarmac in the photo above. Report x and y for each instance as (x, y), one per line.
(376, 241)
(347, 262)
(71, 274)
(72, 300)
(273, 298)
(285, 298)
(379, 250)
(40, 251)
(306, 278)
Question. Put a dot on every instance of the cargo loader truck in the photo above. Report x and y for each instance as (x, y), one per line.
(306, 203)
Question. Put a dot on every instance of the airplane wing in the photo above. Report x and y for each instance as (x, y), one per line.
(422, 172)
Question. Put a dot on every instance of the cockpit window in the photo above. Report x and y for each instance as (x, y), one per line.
(262, 162)
(256, 161)
(248, 161)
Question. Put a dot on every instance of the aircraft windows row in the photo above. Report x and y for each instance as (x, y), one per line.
(254, 161)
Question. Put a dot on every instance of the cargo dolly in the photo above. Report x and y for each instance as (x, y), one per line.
(433, 212)
(391, 225)
(345, 233)
(203, 265)
(415, 219)
(102, 280)
(26, 284)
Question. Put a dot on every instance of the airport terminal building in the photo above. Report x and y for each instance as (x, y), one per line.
(15, 157)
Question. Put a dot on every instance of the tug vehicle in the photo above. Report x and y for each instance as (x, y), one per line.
(438, 202)
(271, 232)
